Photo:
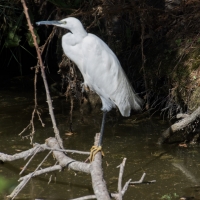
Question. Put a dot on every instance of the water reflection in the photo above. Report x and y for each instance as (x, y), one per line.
(175, 169)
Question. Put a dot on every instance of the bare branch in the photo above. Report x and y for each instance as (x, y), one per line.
(68, 151)
(38, 148)
(186, 121)
(5, 157)
(121, 172)
(98, 183)
(126, 186)
(26, 178)
(29, 125)
(142, 180)
(42, 67)
(116, 195)
(64, 160)
(94, 168)
(23, 183)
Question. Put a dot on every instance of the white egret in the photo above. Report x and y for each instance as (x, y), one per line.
(100, 68)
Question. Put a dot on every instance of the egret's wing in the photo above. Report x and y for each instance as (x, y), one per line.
(104, 74)
(100, 64)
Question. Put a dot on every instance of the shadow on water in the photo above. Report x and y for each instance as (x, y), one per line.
(175, 169)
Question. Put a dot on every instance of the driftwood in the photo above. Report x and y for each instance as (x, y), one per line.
(64, 161)
(185, 122)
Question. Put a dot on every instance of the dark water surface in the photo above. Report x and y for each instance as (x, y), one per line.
(175, 169)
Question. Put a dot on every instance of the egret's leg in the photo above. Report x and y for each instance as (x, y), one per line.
(102, 128)
(95, 149)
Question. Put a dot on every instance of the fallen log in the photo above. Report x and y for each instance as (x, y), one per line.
(180, 125)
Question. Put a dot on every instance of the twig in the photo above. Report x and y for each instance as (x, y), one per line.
(116, 195)
(143, 56)
(25, 179)
(68, 151)
(121, 172)
(38, 148)
(126, 186)
(24, 129)
(49, 101)
(29, 177)
(47, 40)
(142, 180)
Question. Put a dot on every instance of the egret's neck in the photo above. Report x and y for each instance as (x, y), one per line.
(79, 33)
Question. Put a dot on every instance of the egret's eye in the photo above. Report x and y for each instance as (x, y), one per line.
(64, 22)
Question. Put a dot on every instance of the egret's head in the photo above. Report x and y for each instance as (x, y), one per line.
(69, 23)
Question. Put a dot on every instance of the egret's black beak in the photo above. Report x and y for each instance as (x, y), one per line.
(49, 23)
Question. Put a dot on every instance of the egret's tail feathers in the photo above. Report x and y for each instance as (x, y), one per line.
(135, 103)
(128, 100)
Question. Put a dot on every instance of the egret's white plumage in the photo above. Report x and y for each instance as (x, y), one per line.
(99, 66)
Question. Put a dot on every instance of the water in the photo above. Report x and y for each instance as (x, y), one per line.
(175, 169)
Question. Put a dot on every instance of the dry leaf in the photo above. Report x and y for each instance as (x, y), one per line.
(182, 145)
(69, 133)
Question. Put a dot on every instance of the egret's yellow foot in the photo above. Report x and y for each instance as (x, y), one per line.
(93, 152)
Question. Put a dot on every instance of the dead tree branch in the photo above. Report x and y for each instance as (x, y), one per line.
(98, 183)
(37, 148)
(180, 125)
(24, 180)
(121, 172)
(140, 181)
(65, 161)
(29, 160)
(116, 195)
(42, 67)
(5, 157)
(94, 168)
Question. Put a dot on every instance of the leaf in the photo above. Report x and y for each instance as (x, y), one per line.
(12, 39)
(30, 38)
(69, 133)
